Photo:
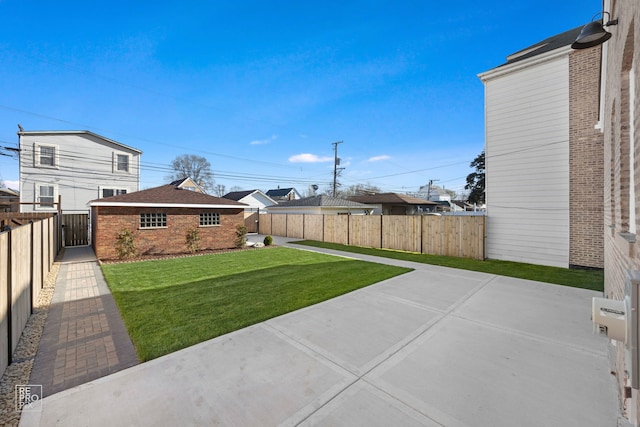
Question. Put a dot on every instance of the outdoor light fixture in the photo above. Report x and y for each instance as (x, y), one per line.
(594, 33)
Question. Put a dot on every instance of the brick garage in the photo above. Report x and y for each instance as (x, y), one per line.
(160, 218)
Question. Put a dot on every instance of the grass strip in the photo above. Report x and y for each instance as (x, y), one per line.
(585, 279)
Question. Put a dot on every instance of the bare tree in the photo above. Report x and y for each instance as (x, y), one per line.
(195, 167)
(219, 190)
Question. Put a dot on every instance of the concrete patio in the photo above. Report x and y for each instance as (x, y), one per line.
(434, 347)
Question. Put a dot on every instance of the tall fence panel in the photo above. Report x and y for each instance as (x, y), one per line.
(365, 230)
(5, 278)
(314, 227)
(264, 224)
(401, 232)
(27, 253)
(20, 281)
(279, 225)
(336, 229)
(459, 236)
(36, 261)
(295, 226)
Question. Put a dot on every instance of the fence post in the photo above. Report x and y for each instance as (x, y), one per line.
(9, 300)
(31, 284)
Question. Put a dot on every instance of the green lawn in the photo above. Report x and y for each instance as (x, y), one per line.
(586, 279)
(172, 304)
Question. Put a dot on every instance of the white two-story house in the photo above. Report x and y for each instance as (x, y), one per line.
(78, 166)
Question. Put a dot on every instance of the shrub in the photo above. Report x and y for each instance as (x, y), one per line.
(125, 244)
(241, 236)
(268, 240)
(193, 240)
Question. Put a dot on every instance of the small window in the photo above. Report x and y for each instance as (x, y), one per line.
(45, 196)
(153, 220)
(46, 156)
(121, 162)
(208, 219)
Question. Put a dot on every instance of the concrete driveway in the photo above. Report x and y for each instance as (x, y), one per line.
(434, 347)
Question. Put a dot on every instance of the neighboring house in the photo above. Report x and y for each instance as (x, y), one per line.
(321, 205)
(544, 157)
(188, 184)
(160, 218)
(395, 204)
(77, 165)
(9, 200)
(284, 194)
(256, 200)
(620, 127)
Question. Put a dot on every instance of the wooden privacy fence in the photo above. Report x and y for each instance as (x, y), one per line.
(459, 236)
(27, 253)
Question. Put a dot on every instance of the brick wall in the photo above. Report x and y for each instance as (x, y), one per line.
(586, 161)
(621, 250)
(107, 221)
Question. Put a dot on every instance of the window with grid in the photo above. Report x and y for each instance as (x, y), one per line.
(153, 220)
(45, 155)
(46, 196)
(122, 163)
(209, 219)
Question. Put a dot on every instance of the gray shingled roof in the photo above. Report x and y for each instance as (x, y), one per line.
(546, 45)
(166, 194)
(279, 192)
(322, 200)
(237, 195)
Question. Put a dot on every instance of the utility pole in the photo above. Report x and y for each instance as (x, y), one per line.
(336, 169)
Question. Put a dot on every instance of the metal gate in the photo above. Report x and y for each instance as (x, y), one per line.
(75, 229)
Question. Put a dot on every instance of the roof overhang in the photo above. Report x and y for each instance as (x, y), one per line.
(525, 63)
(77, 132)
(164, 205)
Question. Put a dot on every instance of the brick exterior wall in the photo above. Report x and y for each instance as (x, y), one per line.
(586, 161)
(621, 250)
(107, 221)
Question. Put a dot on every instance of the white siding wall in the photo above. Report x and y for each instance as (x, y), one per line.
(85, 164)
(527, 164)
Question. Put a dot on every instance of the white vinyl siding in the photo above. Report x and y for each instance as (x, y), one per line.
(83, 164)
(527, 164)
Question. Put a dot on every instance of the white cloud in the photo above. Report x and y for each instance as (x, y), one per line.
(264, 141)
(309, 158)
(12, 184)
(379, 158)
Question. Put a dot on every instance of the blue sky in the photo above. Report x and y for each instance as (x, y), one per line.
(263, 89)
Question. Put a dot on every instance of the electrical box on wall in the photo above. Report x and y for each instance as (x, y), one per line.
(611, 315)
(619, 321)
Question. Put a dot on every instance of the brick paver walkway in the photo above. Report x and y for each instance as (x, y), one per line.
(84, 337)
